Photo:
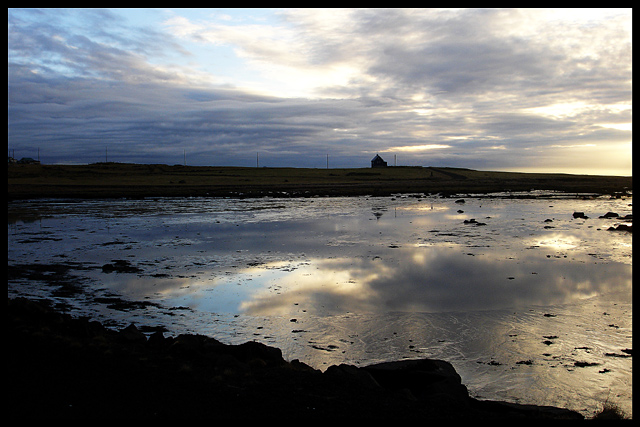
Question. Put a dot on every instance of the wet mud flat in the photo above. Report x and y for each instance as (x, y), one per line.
(79, 255)
(65, 367)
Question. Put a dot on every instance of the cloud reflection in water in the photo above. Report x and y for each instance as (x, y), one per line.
(369, 280)
(429, 279)
(362, 255)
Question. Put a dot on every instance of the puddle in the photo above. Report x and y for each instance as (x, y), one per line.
(528, 302)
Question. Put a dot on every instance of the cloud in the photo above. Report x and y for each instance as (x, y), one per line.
(411, 148)
(300, 84)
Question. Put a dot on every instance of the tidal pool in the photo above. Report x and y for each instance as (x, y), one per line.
(529, 303)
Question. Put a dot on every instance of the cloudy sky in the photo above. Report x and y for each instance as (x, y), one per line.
(491, 89)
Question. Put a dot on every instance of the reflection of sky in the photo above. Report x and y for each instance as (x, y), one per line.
(436, 280)
(366, 280)
(340, 255)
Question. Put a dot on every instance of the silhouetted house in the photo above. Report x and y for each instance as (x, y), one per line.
(377, 162)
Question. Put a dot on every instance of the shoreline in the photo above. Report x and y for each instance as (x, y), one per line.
(66, 367)
(123, 180)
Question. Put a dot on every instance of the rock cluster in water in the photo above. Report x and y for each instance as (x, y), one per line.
(610, 215)
(65, 367)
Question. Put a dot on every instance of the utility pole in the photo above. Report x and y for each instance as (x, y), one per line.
(184, 153)
(327, 161)
(258, 159)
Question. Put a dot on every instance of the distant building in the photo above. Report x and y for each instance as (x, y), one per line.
(377, 162)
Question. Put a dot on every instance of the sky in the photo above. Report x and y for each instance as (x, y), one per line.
(528, 90)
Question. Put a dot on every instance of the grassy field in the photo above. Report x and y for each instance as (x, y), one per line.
(156, 180)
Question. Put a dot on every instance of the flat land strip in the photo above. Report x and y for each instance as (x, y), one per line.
(117, 180)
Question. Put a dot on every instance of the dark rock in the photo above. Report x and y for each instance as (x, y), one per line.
(352, 374)
(120, 266)
(423, 377)
(585, 364)
(251, 351)
(580, 215)
(132, 334)
(617, 355)
(187, 344)
(63, 367)
(609, 215)
(156, 339)
(473, 221)
(514, 411)
(621, 227)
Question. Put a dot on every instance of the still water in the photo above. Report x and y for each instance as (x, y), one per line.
(529, 303)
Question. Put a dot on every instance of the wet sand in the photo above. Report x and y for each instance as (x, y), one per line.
(111, 180)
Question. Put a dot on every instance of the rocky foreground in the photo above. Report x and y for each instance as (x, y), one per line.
(64, 367)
